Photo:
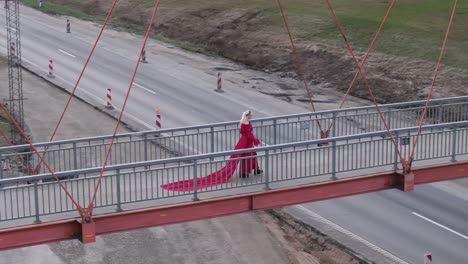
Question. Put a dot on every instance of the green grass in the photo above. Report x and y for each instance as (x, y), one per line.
(57, 9)
(415, 28)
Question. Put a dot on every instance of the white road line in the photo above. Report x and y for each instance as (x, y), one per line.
(350, 234)
(439, 225)
(144, 88)
(69, 54)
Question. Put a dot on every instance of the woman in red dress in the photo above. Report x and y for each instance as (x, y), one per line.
(248, 162)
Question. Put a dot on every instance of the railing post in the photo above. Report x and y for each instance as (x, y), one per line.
(334, 160)
(274, 132)
(333, 134)
(389, 118)
(395, 156)
(119, 202)
(440, 112)
(212, 142)
(75, 156)
(1, 163)
(195, 177)
(454, 144)
(267, 170)
(36, 203)
(145, 147)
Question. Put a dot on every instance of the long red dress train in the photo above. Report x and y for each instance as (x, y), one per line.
(223, 175)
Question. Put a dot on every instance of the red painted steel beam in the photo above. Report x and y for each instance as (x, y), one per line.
(449, 171)
(184, 212)
(39, 233)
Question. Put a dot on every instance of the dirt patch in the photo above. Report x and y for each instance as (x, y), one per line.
(304, 244)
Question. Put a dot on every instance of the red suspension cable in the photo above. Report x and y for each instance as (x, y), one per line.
(366, 83)
(434, 77)
(364, 59)
(298, 61)
(79, 208)
(81, 75)
(148, 30)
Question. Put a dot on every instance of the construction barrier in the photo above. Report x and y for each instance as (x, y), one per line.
(68, 26)
(158, 118)
(143, 56)
(51, 69)
(219, 87)
(109, 99)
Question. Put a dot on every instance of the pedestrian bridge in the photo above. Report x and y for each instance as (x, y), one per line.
(306, 157)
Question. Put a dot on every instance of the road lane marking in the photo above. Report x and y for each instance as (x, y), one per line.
(350, 234)
(144, 88)
(69, 54)
(440, 225)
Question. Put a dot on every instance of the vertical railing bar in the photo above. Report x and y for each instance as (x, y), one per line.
(1, 164)
(36, 203)
(395, 163)
(334, 160)
(267, 170)
(212, 144)
(195, 178)
(119, 201)
(454, 144)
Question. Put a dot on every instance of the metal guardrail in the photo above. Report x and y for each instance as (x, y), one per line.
(150, 145)
(288, 163)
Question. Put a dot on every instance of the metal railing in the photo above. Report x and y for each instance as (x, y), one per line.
(150, 145)
(284, 165)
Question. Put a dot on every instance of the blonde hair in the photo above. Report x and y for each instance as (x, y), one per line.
(244, 119)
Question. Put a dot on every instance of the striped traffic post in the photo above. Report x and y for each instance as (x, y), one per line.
(143, 56)
(109, 99)
(68, 26)
(51, 69)
(158, 118)
(219, 84)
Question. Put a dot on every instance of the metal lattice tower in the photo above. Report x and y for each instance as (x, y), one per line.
(14, 67)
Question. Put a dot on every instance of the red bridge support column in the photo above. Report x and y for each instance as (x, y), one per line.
(88, 232)
(405, 181)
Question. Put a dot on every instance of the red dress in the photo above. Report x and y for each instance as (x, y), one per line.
(247, 140)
